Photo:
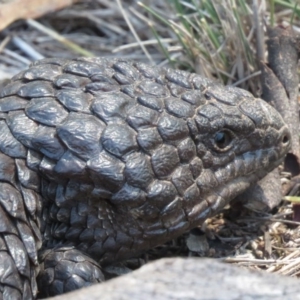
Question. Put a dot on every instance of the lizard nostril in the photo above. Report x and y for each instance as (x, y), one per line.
(285, 140)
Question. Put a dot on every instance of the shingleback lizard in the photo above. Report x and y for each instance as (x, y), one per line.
(101, 159)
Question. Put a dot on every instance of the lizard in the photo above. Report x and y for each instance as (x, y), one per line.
(102, 159)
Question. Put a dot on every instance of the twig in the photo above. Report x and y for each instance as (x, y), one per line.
(59, 38)
(134, 32)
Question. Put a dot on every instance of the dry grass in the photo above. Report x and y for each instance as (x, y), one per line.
(207, 39)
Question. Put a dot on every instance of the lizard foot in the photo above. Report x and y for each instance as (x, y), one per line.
(66, 269)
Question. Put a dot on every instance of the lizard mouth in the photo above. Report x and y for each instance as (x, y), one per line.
(218, 187)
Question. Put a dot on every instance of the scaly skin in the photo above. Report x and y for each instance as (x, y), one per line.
(107, 158)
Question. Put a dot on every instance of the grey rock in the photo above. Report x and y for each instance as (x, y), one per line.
(191, 279)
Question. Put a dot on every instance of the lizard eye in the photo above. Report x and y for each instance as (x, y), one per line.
(223, 139)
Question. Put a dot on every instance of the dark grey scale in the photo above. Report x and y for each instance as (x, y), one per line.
(29, 240)
(196, 167)
(101, 159)
(59, 231)
(12, 205)
(226, 97)
(218, 161)
(127, 70)
(27, 177)
(11, 89)
(102, 190)
(235, 121)
(171, 128)
(119, 139)
(87, 235)
(271, 134)
(191, 197)
(176, 90)
(130, 91)
(76, 189)
(129, 197)
(201, 148)
(12, 103)
(207, 159)
(46, 141)
(178, 108)
(182, 178)
(12, 285)
(70, 81)
(180, 78)
(60, 198)
(142, 117)
(77, 219)
(32, 201)
(256, 114)
(105, 76)
(186, 150)
(22, 127)
(35, 225)
(175, 219)
(42, 72)
(151, 88)
(192, 127)
(83, 68)
(63, 214)
(111, 107)
(206, 180)
(147, 72)
(107, 171)
(232, 111)
(149, 139)
(97, 88)
(210, 121)
(164, 160)
(70, 165)
(9, 144)
(138, 170)
(36, 89)
(74, 100)
(125, 74)
(73, 233)
(78, 126)
(46, 111)
(273, 117)
(160, 193)
(210, 112)
(18, 253)
(151, 102)
(123, 79)
(93, 221)
(8, 169)
(48, 192)
(193, 97)
(33, 159)
(47, 167)
(201, 83)
(53, 211)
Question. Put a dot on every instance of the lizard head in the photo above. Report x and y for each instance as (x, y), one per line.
(207, 144)
(239, 139)
(207, 155)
